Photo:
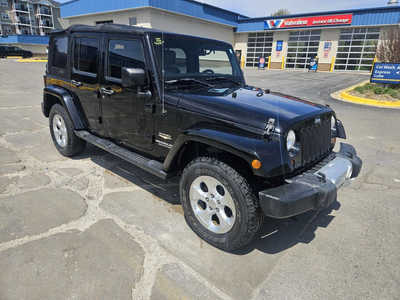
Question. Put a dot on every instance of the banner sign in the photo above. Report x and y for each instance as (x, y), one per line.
(279, 46)
(319, 21)
(386, 73)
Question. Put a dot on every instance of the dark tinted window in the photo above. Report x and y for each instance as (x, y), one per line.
(124, 53)
(60, 52)
(85, 54)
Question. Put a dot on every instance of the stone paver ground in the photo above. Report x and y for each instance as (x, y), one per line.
(95, 227)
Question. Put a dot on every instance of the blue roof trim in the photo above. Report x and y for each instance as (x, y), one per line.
(187, 7)
(361, 17)
(25, 39)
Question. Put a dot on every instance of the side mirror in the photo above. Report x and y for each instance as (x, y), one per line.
(133, 77)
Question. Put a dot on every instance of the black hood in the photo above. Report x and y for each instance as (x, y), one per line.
(249, 106)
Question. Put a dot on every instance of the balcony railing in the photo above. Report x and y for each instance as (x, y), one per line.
(21, 7)
(44, 11)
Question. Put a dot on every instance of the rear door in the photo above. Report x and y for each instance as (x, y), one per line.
(86, 57)
(127, 112)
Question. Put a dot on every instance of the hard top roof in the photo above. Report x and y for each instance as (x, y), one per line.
(119, 28)
(106, 28)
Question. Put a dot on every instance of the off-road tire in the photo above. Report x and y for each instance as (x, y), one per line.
(248, 215)
(74, 145)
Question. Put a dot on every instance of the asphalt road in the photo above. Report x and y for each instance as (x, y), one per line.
(95, 227)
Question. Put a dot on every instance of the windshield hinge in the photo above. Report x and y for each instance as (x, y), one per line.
(270, 127)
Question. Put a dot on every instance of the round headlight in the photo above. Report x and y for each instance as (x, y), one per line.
(291, 140)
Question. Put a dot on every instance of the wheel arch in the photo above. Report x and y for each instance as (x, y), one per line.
(197, 143)
(57, 95)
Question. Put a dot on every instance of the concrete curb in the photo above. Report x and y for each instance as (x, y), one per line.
(31, 60)
(343, 95)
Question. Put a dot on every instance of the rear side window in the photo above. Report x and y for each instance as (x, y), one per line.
(124, 53)
(86, 52)
(60, 52)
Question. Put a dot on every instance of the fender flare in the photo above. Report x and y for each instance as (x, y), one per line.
(67, 100)
(241, 146)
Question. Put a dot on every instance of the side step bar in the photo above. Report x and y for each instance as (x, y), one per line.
(152, 166)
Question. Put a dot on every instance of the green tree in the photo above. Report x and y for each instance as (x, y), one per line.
(281, 12)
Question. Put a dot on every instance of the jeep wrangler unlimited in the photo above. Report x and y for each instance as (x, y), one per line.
(177, 105)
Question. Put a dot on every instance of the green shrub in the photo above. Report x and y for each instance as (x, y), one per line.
(393, 93)
(360, 89)
(379, 90)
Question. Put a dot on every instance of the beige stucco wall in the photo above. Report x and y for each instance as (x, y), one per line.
(240, 43)
(328, 35)
(188, 25)
(122, 17)
(280, 36)
(159, 19)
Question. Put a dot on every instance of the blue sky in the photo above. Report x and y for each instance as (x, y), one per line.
(259, 8)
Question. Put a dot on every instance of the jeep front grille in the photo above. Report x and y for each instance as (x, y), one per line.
(315, 138)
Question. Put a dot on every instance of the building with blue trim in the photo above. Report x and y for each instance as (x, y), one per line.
(26, 23)
(344, 40)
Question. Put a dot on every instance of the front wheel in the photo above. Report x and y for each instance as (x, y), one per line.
(219, 205)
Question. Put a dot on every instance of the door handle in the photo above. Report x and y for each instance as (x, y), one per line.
(76, 83)
(108, 92)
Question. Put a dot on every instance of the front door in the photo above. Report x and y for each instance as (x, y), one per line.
(125, 111)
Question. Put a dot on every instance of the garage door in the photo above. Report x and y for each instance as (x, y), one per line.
(357, 48)
(258, 45)
(302, 46)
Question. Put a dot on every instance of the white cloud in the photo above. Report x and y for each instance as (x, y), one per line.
(261, 8)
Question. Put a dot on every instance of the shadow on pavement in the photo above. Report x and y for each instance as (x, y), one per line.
(275, 235)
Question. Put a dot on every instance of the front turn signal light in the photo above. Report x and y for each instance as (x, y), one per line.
(256, 164)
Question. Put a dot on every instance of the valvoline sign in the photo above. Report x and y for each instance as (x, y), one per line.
(386, 73)
(317, 21)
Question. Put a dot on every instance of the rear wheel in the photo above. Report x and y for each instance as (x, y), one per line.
(62, 132)
(219, 205)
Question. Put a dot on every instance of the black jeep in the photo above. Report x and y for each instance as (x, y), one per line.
(177, 105)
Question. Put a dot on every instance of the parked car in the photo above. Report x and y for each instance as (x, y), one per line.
(14, 51)
(177, 105)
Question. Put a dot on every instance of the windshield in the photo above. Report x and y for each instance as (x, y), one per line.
(189, 57)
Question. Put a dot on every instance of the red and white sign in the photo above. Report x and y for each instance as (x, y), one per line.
(309, 21)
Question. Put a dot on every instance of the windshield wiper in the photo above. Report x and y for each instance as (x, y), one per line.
(189, 80)
(224, 78)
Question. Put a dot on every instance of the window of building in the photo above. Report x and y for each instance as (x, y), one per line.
(60, 52)
(104, 22)
(86, 54)
(302, 46)
(132, 21)
(357, 49)
(124, 53)
(258, 45)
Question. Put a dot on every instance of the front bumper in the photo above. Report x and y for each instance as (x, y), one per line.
(312, 190)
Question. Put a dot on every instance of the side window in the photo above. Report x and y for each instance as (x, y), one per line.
(86, 52)
(124, 53)
(215, 60)
(60, 52)
(175, 61)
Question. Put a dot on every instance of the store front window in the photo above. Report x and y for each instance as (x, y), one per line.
(258, 45)
(357, 49)
(302, 46)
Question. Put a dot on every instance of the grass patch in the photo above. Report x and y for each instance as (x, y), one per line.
(378, 91)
